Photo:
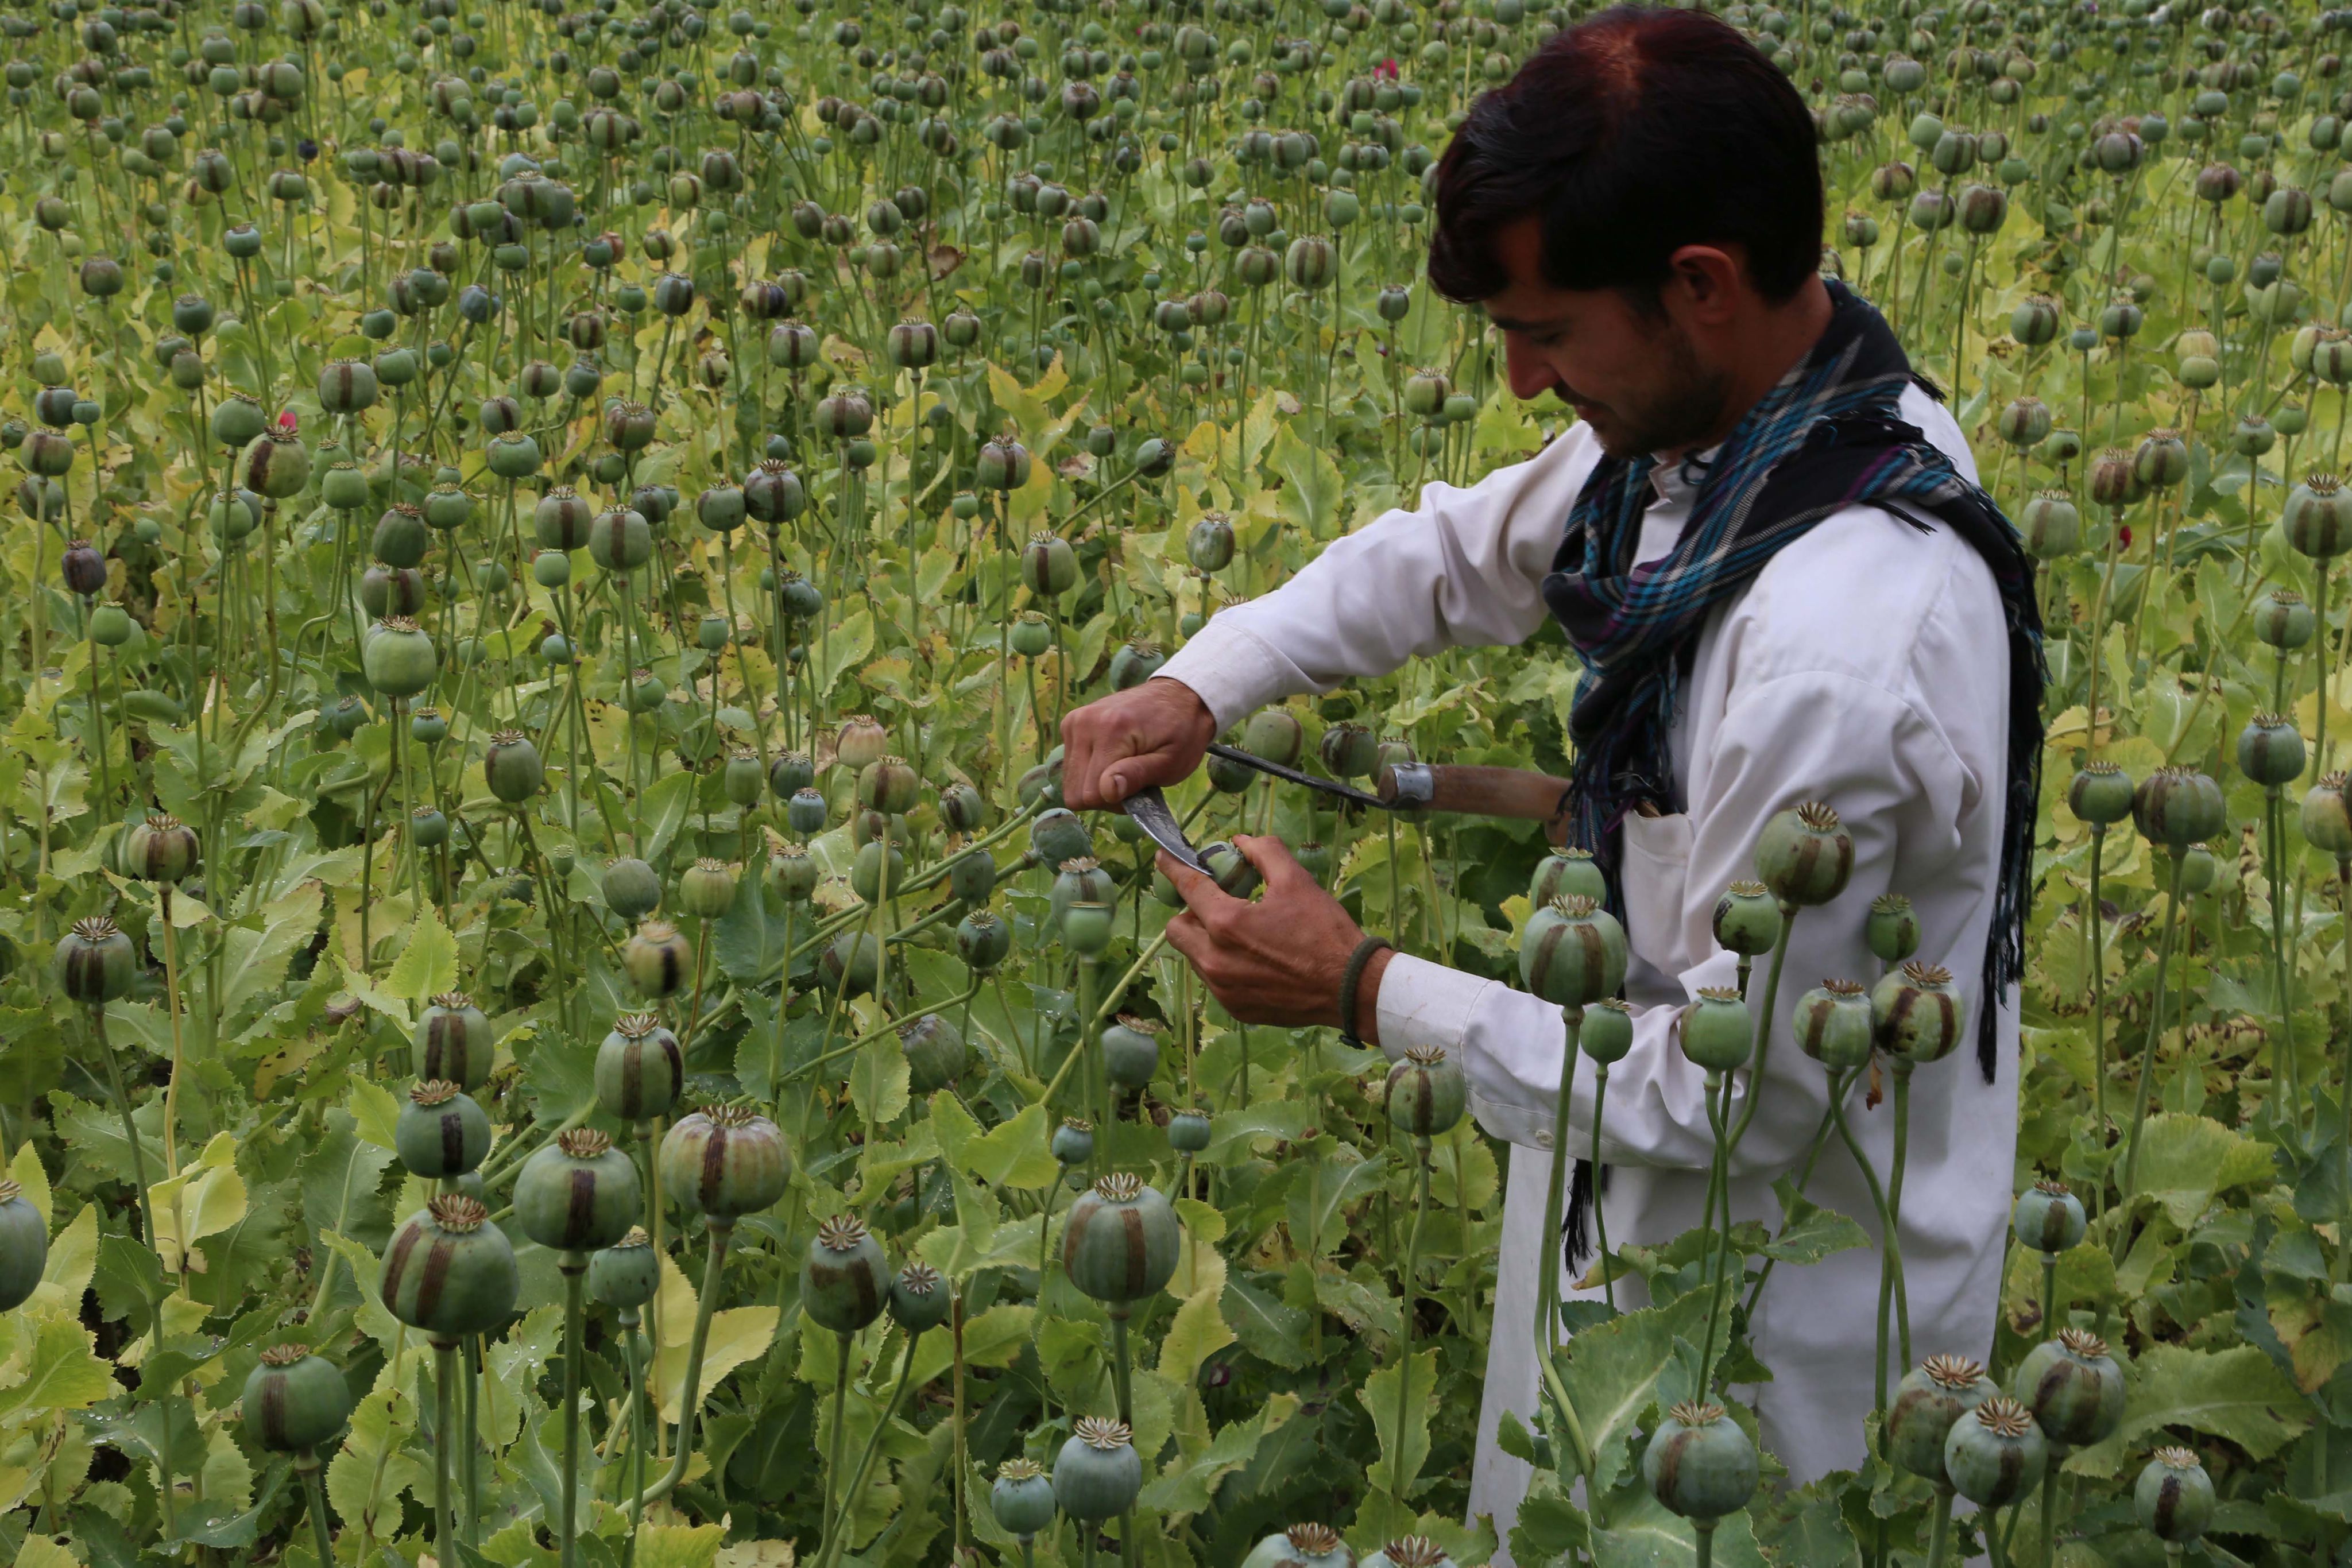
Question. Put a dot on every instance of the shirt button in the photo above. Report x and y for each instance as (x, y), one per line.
(1543, 1140)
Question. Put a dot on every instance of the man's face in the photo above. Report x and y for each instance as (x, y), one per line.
(1639, 380)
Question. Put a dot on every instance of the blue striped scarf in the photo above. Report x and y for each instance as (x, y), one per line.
(1827, 437)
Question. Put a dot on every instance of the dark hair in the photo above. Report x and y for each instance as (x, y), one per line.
(1626, 137)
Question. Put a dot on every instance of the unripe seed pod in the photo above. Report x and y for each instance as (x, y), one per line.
(1210, 544)
(82, 569)
(2271, 750)
(1572, 953)
(577, 1194)
(1021, 1498)
(1048, 565)
(163, 849)
(452, 1040)
(1995, 1454)
(2114, 482)
(2050, 525)
(1804, 855)
(741, 779)
(1073, 1142)
(626, 1274)
(1917, 1012)
(441, 1132)
(1408, 1551)
(707, 889)
(511, 766)
(724, 1162)
(1350, 751)
(1569, 873)
(658, 958)
(2162, 460)
(1927, 1403)
(860, 742)
(2025, 422)
(792, 772)
(1130, 1052)
(2102, 793)
(2318, 517)
(1002, 465)
(2177, 807)
(851, 963)
(888, 784)
(1189, 1132)
(934, 1052)
(1121, 1240)
(1717, 1032)
(1831, 1023)
(1098, 1475)
(24, 1247)
(2073, 1388)
(1891, 930)
(920, 1299)
(1426, 1092)
(639, 1069)
(1607, 1033)
(94, 962)
(2327, 817)
(982, 940)
(2049, 1217)
(1085, 928)
(1275, 734)
(1700, 1463)
(399, 657)
(294, 1400)
(844, 1279)
(1746, 919)
(449, 1272)
(2283, 621)
(1302, 1546)
(632, 888)
(2174, 1497)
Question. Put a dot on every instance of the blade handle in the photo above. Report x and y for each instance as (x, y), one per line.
(1521, 794)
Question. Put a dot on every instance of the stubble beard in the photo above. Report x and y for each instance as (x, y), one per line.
(1683, 409)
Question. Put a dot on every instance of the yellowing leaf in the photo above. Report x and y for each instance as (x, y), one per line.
(1200, 1330)
(206, 1199)
(680, 1545)
(32, 1179)
(737, 1336)
(374, 1111)
(427, 964)
(64, 1372)
(73, 1258)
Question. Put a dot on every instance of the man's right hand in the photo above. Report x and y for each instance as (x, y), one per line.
(1155, 733)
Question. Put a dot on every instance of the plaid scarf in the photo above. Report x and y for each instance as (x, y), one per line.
(1827, 437)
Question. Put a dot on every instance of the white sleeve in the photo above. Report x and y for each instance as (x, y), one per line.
(1465, 568)
(1802, 736)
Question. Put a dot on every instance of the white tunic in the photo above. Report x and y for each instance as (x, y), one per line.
(1866, 665)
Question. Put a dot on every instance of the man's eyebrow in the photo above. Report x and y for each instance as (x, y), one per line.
(1512, 324)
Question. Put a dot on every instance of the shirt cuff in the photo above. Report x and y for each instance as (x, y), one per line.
(1230, 669)
(1421, 1003)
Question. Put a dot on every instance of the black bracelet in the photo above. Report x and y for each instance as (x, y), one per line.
(1352, 977)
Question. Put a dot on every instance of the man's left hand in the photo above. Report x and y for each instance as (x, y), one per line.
(1278, 960)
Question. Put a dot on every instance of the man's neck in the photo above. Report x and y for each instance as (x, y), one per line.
(1786, 335)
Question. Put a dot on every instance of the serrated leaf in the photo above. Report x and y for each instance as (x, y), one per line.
(878, 1080)
(2238, 1393)
(1267, 1327)
(1199, 1330)
(1398, 1399)
(1612, 1372)
(737, 1336)
(342, 1184)
(1809, 1232)
(427, 964)
(254, 962)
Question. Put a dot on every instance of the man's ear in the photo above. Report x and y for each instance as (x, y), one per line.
(1710, 280)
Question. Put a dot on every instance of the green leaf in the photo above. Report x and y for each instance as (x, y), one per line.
(1312, 494)
(1806, 1529)
(1268, 1328)
(878, 1080)
(2185, 1160)
(2238, 1393)
(663, 808)
(1399, 1398)
(1809, 1232)
(342, 1184)
(1016, 1154)
(1551, 1526)
(1612, 1372)
(62, 1371)
(254, 962)
(427, 964)
(1650, 1537)
(838, 648)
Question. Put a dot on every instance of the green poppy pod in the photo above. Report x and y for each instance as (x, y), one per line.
(2073, 1387)
(346, 386)
(1303, 1546)
(1833, 1024)
(344, 486)
(888, 784)
(2177, 807)
(511, 766)
(513, 455)
(163, 849)
(773, 493)
(632, 888)
(2327, 816)
(1916, 1013)
(1086, 927)
(1021, 1498)
(1048, 565)
(1570, 873)
(1699, 1463)
(1275, 734)
(962, 810)
(1927, 1403)
(982, 941)
(24, 1247)
(94, 962)
(2050, 525)
(48, 454)
(1995, 1453)
(1607, 1033)
(1073, 1142)
(441, 1132)
(1121, 1239)
(1135, 663)
(399, 657)
(626, 1275)
(447, 509)
(2283, 621)
(2161, 461)
(294, 1400)
(237, 419)
(658, 958)
(1349, 750)
(741, 777)
(577, 1194)
(1002, 465)
(1804, 855)
(1130, 1052)
(1410, 1551)
(2173, 1498)
(861, 741)
(2101, 794)
(724, 1162)
(806, 811)
(850, 962)
(1209, 545)
(1189, 1131)
(448, 1271)
(1057, 836)
(109, 625)
(620, 540)
(1031, 634)
(844, 1279)
(791, 873)
(1098, 1475)
(452, 1042)
(720, 509)
(1716, 1031)
(920, 1299)
(876, 862)
(560, 521)
(2270, 750)
(934, 1052)
(2049, 1217)
(1079, 880)
(2318, 517)
(707, 889)
(790, 773)
(2025, 424)
(640, 1070)
(1426, 1092)
(1572, 953)
(1891, 929)
(1746, 919)
(429, 827)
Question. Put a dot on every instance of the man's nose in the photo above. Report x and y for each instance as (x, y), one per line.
(1530, 374)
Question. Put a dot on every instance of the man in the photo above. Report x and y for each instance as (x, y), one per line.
(1781, 592)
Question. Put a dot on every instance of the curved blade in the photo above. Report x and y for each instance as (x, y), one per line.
(1293, 775)
(1148, 809)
